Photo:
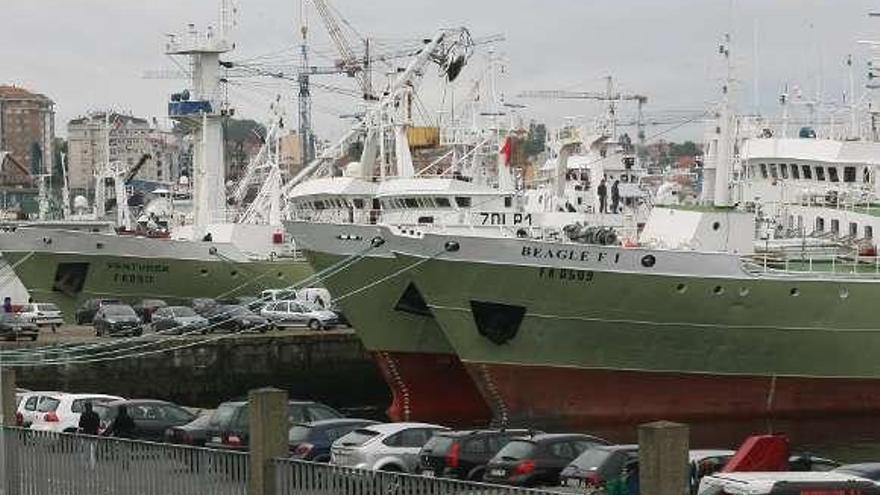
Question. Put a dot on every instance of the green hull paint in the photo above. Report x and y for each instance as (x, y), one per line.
(371, 311)
(617, 321)
(173, 280)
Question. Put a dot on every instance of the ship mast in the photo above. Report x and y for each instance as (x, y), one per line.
(716, 178)
(202, 108)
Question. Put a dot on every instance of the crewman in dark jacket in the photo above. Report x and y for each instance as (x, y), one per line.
(89, 421)
(615, 196)
(602, 191)
(123, 426)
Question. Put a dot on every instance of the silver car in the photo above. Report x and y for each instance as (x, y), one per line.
(294, 313)
(383, 447)
(178, 319)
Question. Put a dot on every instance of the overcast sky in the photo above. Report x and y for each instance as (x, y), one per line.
(91, 54)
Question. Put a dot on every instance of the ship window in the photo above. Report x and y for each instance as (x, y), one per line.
(442, 202)
(411, 203)
(820, 173)
(795, 172)
(359, 203)
(820, 224)
(718, 290)
(508, 201)
(835, 226)
(463, 201)
(783, 170)
(794, 292)
(866, 175)
(319, 205)
(773, 172)
(808, 172)
(869, 232)
(411, 301)
(763, 170)
(853, 229)
(681, 288)
(832, 174)
(849, 174)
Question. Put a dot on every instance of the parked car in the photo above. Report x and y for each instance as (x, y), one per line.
(228, 427)
(316, 296)
(202, 305)
(14, 326)
(463, 454)
(312, 441)
(146, 307)
(61, 413)
(600, 467)
(868, 470)
(117, 319)
(704, 462)
(151, 417)
(786, 483)
(292, 313)
(43, 314)
(29, 403)
(384, 447)
(537, 460)
(235, 319)
(178, 319)
(193, 433)
(85, 313)
(809, 462)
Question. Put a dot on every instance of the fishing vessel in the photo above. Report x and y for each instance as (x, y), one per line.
(215, 254)
(690, 322)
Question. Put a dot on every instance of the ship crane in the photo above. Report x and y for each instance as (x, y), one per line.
(610, 95)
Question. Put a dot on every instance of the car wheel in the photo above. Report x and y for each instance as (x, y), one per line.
(314, 325)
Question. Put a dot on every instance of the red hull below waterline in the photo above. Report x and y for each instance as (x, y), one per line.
(573, 399)
(433, 388)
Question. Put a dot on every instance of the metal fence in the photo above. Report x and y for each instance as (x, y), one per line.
(310, 478)
(36, 462)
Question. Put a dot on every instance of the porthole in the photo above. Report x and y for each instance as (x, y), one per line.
(744, 291)
(280, 275)
(844, 293)
(203, 272)
(233, 274)
(718, 290)
(681, 288)
(648, 260)
(794, 292)
(716, 225)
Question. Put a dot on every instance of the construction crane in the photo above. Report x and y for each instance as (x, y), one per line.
(610, 95)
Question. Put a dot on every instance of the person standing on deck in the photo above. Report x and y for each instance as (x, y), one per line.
(7, 304)
(602, 191)
(615, 196)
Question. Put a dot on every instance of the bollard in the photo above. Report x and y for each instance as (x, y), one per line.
(268, 428)
(7, 397)
(8, 455)
(663, 458)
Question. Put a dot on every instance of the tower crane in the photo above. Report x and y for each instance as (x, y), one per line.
(610, 95)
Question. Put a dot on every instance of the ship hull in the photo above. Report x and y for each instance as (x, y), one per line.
(427, 380)
(592, 335)
(63, 272)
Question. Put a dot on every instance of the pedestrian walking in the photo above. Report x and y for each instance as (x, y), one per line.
(7, 304)
(615, 196)
(122, 426)
(602, 191)
(89, 423)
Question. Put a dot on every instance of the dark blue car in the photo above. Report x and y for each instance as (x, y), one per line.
(312, 441)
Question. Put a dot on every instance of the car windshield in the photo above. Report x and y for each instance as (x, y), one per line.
(516, 449)
(592, 459)
(118, 310)
(47, 307)
(183, 311)
(48, 404)
(299, 433)
(10, 317)
(438, 444)
(357, 437)
(223, 415)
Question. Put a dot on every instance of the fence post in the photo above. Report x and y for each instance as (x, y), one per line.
(268, 427)
(663, 458)
(8, 455)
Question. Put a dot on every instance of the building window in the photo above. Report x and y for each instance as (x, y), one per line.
(808, 172)
(853, 229)
(849, 174)
(820, 224)
(835, 226)
(869, 232)
(795, 172)
(832, 174)
(820, 173)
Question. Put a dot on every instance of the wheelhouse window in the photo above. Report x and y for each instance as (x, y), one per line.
(820, 173)
(411, 202)
(783, 170)
(508, 201)
(849, 174)
(820, 224)
(463, 201)
(869, 232)
(808, 172)
(832, 174)
(853, 229)
(835, 226)
(773, 171)
(358, 203)
(763, 170)
(442, 202)
(795, 172)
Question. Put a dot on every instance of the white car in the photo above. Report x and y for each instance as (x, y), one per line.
(290, 313)
(61, 413)
(383, 447)
(43, 314)
(30, 402)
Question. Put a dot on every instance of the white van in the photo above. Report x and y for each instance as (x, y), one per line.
(315, 296)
